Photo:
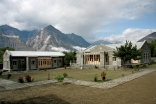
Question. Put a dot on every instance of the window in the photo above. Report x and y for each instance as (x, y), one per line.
(32, 62)
(55, 61)
(14, 63)
(114, 58)
(45, 61)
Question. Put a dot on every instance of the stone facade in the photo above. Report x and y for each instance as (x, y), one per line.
(101, 56)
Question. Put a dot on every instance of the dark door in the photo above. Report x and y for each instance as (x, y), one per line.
(33, 64)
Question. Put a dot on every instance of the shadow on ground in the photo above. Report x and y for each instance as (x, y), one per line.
(49, 99)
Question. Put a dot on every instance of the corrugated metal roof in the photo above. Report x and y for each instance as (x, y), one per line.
(89, 48)
(35, 53)
(114, 45)
(138, 44)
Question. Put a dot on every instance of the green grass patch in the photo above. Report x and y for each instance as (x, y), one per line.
(85, 74)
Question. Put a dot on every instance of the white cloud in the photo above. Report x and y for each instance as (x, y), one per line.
(131, 34)
(82, 17)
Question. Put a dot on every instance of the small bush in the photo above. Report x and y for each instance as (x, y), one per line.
(103, 75)
(20, 79)
(9, 75)
(65, 75)
(59, 78)
(136, 68)
(28, 78)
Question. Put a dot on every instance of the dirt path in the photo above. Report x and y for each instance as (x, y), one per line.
(139, 91)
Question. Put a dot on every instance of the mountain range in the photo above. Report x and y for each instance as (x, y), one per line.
(104, 42)
(46, 39)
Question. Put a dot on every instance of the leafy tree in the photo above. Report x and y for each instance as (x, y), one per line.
(152, 46)
(127, 52)
(69, 56)
(2, 50)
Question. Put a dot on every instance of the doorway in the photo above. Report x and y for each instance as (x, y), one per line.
(106, 58)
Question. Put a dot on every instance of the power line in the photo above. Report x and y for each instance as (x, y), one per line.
(71, 11)
(60, 11)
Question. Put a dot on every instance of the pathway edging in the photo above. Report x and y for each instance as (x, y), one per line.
(105, 85)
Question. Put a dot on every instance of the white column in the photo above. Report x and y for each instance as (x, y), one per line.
(27, 63)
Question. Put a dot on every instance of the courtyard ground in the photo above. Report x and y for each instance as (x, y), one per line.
(138, 91)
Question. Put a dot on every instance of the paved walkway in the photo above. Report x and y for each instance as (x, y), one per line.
(15, 85)
(6, 84)
(112, 83)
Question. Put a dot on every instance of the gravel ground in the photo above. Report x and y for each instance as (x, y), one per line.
(141, 90)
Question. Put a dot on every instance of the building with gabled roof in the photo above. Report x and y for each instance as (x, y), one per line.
(102, 56)
(30, 60)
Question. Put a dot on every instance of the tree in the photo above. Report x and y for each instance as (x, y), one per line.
(152, 46)
(69, 56)
(2, 50)
(127, 52)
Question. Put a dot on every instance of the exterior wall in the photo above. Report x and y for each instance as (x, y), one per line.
(60, 62)
(103, 52)
(79, 59)
(146, 53)
(102, 59)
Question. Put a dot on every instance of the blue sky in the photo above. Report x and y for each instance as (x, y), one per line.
(146, 22)
(111, 20)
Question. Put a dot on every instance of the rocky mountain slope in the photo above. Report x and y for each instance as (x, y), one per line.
(47, 39)
(104, 42)
(50, 38)
(12, 41)
(11, 31)
(149, 37)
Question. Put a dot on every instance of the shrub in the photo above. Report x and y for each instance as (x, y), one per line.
(59, 78)
(20, 79)
(65, 75)
(9, 75)
(28, 78)
(136, 68)
(103, 75)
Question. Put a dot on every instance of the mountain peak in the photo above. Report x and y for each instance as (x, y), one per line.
(7, 27)
(49, 26)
